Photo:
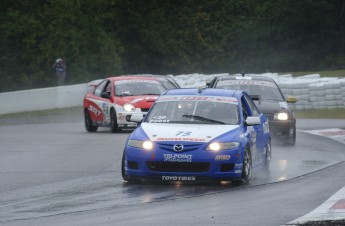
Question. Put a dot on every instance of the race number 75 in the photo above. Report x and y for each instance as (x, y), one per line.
(183, 133)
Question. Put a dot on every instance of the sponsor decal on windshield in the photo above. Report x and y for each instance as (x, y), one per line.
(283, 105)
(246, 82)
(159, 119)
(135, 81)
(231, 100)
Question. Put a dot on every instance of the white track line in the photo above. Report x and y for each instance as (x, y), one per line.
(334, 207)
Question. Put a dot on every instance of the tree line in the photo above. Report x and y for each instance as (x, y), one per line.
(100, 38)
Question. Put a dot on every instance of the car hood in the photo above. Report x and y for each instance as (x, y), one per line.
(185, 132)
(137, 101)
(270, 107)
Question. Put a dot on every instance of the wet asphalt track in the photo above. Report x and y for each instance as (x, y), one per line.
(58, 174)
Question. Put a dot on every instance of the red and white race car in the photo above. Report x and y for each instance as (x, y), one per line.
(115, 99)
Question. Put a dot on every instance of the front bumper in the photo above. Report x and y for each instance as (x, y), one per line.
(281, 128)
(123, 119)
(193, 166)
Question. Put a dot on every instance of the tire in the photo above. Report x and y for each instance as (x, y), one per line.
(88, 122)
(291, 139)
(246, 167)
(113, 121)
(268, 157)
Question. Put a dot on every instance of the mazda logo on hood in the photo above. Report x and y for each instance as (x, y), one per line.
(178, 147)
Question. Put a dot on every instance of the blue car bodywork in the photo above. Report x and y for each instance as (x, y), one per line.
(198, 135)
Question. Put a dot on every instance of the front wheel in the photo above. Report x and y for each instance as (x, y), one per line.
(268, 156)
(88, 122)
(113, 121)
(291, 137)
(246, 167)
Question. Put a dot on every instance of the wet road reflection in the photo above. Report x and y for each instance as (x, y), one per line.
(108, 190)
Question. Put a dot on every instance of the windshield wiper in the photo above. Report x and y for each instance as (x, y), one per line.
(203, 119)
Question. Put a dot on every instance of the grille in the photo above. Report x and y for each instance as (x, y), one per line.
(227, 167)
(178, 166)
(145, 109)
(186, 147)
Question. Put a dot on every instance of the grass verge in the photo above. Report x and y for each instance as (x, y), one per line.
(337, 113)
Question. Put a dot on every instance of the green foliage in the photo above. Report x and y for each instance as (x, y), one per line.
(34, 35)
(99, 38)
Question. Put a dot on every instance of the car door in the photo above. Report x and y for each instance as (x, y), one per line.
(99, 104)
(257, 132)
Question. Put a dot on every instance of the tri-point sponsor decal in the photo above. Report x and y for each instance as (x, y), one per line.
(177, 158)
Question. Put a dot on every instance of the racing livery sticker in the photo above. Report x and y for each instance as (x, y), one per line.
(222, 157)
(177, 158)
(178, 178)
(95, 110)
(283, 105)
(266, 127)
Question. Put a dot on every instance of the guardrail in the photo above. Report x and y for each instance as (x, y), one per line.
(42, 99)
(312, 92)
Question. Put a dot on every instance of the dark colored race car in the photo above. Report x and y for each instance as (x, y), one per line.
(269, 100)
(115, 99)
(200, 135)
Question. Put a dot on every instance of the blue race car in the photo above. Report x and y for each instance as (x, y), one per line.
(198, 135)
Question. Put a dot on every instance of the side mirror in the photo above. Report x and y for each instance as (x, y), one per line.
(105, 95)
(291, 99)
(136, 118)
(252, 121)
(208, 83)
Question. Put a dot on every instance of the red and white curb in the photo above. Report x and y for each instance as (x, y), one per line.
(336, 134)
(334, 207)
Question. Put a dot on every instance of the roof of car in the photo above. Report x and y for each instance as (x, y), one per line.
(169, 78)
(232, 77)
(205, 92)
(128, 77)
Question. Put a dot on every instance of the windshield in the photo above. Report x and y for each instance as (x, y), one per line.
(194, 112)
(138, 87)
(266, 90)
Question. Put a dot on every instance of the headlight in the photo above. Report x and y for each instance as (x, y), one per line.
(281, 116)
(128, 107)
(143, 144)
(222, 146)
